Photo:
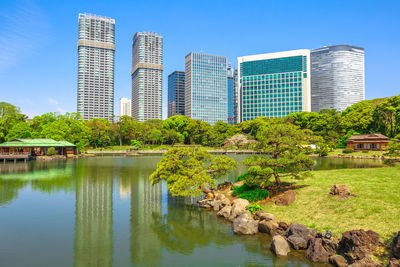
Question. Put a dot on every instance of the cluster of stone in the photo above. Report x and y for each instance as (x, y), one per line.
(355, 248)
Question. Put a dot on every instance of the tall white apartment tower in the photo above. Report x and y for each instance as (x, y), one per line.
(337, 77)
(125, 108)
(147, 69)
(96, 48)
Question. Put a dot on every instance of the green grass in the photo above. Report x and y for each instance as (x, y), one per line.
(339, 151)
(377, 206)
(147, 147)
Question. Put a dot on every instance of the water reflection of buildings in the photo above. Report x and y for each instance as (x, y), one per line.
(145, 207)
(124, 188)
(93, 222)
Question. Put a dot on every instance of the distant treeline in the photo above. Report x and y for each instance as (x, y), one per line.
(378, 115)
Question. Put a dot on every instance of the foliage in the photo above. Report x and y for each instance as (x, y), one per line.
(136, 143)
(250, 192)
(254, 207)
(342, 142)
(393, 150)
(348, 150)
(51, 151)
(242, 177)
(285, 146)
(188, 170)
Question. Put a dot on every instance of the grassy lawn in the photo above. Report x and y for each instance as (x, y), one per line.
(377, 206)
(339, 151)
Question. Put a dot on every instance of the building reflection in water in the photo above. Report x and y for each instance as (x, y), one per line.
(93, 221)
(145, 207)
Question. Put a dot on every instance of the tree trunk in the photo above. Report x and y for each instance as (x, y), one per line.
(277, 179)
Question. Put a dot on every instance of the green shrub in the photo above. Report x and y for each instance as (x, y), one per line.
(51, 151)
(365, 151)
(136, 143)
(254, 207)
(348, 150)
(242, 177)
(251, 193)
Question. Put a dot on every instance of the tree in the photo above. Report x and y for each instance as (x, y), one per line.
(171, 137)
(155, 136)
(99, 132)
(285, 144)
(178, 123)
(51, 151)
(387, 116)
(9, 116)
(188, 171)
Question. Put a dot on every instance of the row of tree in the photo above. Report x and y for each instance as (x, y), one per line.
(379, 115)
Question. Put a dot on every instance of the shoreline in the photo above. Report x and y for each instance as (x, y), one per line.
(317, 247)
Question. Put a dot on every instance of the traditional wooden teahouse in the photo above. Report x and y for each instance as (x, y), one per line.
(375, 141)
(27, 148)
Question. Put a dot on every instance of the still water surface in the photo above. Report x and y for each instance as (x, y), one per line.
(105, 212)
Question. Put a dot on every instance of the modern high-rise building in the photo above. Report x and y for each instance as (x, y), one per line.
(206, 92)
(176, 93)
(125, 107)
(337, 77)
(232, 95)
(96, 48)
(274, 84)
(147, 69)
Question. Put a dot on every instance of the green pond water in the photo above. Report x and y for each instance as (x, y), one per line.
(104, 212)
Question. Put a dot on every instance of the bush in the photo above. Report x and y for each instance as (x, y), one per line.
(51, 151)
(242, 177)
(136, 143)
(251, 193)
(365, 151)
(254, 207)
(348, 150)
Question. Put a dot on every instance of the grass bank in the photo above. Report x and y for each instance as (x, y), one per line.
(370, 153)
(377, 206)
(147, 147)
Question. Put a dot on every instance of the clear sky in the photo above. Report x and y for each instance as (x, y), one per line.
(38, 40)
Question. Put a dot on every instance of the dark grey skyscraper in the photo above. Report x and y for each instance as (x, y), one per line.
(147, 68)
(176, 93)
(337, 77)
(232, 95)
(96, 48)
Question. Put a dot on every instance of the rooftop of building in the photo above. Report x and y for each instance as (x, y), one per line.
(203, 54)
(37, 142)
(282, 54)
(146, 33)
(368, 138)
(337, 48)
(93, 16)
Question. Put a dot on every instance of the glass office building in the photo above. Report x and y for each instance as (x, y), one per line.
(274, 84)
(147, 69)
(206, 87)
(96, 48)
(232, 95)
(176, 93)
(337, 77)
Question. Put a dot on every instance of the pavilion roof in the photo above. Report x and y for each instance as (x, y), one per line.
(374, 137)
(38, 142)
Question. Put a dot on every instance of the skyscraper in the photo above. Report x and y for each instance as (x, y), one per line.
(147, 68)
(337, 77)
(232, 95)
(206, 92)
(274, 84)
(96, 48)
(176, 93)
(125, 107)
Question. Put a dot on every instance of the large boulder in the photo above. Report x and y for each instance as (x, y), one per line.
(280, 246)
(205, 203)
(225, 212)
(298, 236)
(268, 227)
(216, 204)
(320, 249)
(396, 246)
(287, 198)
(338, 261)
(264, 216)
(358, 244)
(225, 186)
(245, 225)
(340, 190)
(238, 208)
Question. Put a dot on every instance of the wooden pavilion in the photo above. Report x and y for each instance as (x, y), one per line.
(36, 147)
(375, 141)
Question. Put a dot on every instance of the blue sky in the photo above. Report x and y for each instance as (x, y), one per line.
(38, 40)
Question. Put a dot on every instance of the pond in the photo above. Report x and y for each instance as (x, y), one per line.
(105, 212)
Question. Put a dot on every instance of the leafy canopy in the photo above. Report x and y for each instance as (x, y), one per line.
(188, 170)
